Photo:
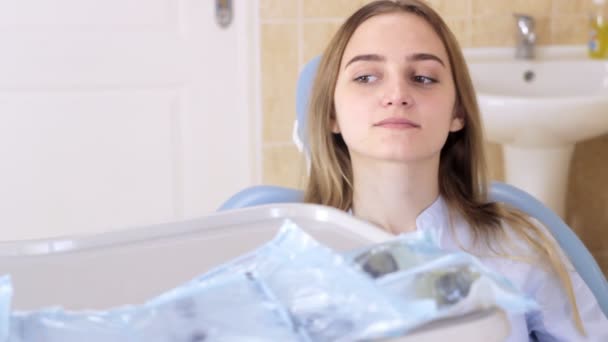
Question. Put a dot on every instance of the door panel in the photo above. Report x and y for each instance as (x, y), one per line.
(119, 113)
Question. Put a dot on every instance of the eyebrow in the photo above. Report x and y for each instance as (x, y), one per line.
(411, 58)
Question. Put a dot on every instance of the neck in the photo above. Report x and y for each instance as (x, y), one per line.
(392, 195)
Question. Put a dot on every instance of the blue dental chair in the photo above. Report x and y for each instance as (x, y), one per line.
(576, 251)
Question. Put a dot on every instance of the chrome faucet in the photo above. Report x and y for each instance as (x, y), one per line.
(525, 36)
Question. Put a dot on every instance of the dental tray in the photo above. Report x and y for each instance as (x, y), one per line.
(131, 266)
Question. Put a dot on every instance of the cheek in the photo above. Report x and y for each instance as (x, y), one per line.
(342, 100)
(348, 127)
(353, 117)
(441, 108)
(349, 111)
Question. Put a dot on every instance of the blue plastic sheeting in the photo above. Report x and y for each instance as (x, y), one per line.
(290, 289)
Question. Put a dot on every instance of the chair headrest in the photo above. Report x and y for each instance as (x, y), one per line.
(303, 90)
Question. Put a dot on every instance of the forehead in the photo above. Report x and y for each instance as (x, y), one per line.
(397, 34)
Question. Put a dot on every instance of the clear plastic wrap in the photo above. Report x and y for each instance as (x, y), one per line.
(414, 268)
(290, 289)
(326, 298)
(231, 308)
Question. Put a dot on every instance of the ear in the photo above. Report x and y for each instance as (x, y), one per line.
(335, 127)
(457, 121)
(457, 124)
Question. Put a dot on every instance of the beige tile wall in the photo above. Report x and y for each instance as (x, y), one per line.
(293, 31)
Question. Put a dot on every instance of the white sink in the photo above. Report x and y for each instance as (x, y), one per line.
(538, 109)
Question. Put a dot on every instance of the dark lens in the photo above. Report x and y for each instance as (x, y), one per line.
(454, 286)
(379, 264)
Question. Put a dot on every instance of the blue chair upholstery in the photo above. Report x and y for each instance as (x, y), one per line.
(579, 255)
(574, 248)
(303, 89)
(262, 194)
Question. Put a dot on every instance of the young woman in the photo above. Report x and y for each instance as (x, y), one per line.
(396, 139)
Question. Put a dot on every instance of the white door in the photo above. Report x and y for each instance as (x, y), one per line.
(119, 113)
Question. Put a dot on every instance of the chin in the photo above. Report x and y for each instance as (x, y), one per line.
(391, 154)
(404, 155)
(400, 157)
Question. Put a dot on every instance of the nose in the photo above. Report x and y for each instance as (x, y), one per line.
(397, 94)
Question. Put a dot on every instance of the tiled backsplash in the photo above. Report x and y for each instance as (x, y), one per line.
(293, 31)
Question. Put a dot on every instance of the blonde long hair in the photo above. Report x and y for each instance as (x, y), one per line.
(463, 181)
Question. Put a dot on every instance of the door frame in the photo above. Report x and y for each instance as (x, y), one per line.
(248, 42)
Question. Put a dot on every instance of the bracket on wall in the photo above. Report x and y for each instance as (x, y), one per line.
(223, 12)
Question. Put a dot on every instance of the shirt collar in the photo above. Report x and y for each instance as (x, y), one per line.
(434, 216)
(433, 220)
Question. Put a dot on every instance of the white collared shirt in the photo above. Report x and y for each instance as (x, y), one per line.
(554, 322)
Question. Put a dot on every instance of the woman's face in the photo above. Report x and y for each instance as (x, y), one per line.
(395, 94)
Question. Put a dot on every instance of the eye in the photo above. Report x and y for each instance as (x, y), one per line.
(424, 79)
(366, 79)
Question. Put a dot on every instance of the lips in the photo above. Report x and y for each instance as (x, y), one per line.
(397, 123)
